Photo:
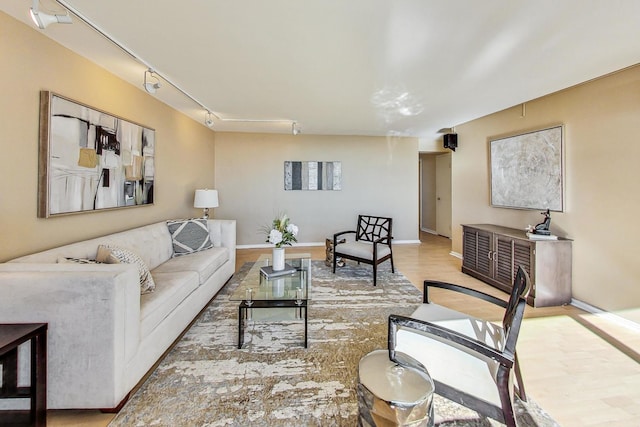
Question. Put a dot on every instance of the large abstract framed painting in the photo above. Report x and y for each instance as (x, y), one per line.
(312, 175)
(527, 170)
(91, 160)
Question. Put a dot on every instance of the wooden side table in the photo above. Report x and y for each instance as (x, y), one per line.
(11, 336)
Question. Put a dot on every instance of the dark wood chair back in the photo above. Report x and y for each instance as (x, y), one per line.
(371, 228)
(515, 309)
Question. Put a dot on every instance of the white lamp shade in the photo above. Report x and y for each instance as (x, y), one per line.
(206, 199)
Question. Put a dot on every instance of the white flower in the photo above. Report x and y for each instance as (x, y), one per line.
(281, 232)
(275, 237)
(293, 229)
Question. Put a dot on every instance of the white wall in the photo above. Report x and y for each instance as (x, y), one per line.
(379, 177)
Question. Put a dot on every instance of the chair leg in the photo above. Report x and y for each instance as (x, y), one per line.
(505, 397)
(521, 393)
(334, 260)
(392, 269)
(374, 273)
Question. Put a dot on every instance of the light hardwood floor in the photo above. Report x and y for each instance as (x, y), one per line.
(583, 369)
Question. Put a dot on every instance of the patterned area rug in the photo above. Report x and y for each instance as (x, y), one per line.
(273, 380)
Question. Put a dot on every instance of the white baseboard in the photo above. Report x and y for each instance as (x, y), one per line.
(308, 244)
(456, 254)
(270, 246)
(428, 230)
(629, 324)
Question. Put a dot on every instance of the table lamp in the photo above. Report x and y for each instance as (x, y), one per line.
(206, 199)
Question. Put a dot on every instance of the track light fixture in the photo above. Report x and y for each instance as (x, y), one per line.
(208, 119)
(152, 82)
(151, 86)
(42, 20)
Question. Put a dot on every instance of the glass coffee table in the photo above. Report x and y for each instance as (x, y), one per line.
(289, 290)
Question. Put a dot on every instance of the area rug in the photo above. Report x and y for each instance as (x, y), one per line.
(273, 380)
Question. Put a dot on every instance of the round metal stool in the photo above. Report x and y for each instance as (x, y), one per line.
(392, 394)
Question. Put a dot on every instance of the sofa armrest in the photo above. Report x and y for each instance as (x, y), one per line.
(93, 312)
(223, 233)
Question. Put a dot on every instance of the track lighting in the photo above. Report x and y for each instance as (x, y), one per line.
(42, 20)
(151, 87)
(151, 78)
(208, 119)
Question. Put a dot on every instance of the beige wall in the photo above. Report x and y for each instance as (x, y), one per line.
(379, 177)
(602, 147)
(30, 63)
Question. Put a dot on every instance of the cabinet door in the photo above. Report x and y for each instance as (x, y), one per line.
(477, 250)
(485, 260)
(523, 254)
(469, 248)
(510, 253)
(503, 272)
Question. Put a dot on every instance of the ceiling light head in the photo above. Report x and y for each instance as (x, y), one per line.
(151, 86)
(43, 20)
(208, 119)
(295, 129)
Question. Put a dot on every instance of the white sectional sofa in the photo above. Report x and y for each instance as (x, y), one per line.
(104, 336)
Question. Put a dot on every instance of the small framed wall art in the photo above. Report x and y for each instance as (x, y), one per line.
(312, 175)
(90, 160)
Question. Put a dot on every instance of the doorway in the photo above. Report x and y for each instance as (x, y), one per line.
(435, 193)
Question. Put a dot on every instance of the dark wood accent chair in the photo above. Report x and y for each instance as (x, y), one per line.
(471, 361)
(372, 244)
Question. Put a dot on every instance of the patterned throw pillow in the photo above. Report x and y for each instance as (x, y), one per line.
(189, 236)
(70, 260)
(115, 255)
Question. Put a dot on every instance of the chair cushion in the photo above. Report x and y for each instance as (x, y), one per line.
(361, 249)
(481, 330)
(452, 364)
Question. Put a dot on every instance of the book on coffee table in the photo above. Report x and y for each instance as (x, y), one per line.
(269, 273)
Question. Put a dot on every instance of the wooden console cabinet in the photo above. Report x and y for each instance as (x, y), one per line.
(492, 254)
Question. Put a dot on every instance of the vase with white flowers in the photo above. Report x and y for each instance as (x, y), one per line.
(282, 232)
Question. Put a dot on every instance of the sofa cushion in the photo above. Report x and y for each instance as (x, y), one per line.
(171, 290)
(189, 236)
(115, 255)
(205, 263)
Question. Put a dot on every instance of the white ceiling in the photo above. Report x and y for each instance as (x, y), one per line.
(352, 67)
